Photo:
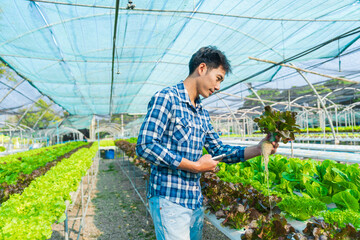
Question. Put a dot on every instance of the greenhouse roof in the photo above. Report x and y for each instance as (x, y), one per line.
(66, 49)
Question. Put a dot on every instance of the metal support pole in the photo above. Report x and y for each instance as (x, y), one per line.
(134, 174)
(98, 127)
(232, 126)
(82, 199)
(336, 120)
(57, 133)
(88, 179)
(243, 124)
(41, 116)
(66, 226)
(307, 127)
(122, 125)
(345, 116)
(228, 126)
(352, 120)
(229, 110)
(250, 87)
(322, 104)
(12, 89)
(21, 118)
(9, 144)
(289, 99)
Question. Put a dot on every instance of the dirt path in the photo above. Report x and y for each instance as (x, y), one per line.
(116, 211)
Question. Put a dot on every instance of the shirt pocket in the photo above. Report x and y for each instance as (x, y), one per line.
(182, 130)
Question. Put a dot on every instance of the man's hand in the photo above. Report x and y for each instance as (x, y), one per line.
(204, 164)
(254, 151)
(274, 143)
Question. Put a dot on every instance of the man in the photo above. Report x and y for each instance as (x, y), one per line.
(172, 137)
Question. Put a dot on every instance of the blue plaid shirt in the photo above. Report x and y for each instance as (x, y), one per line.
(174, 129)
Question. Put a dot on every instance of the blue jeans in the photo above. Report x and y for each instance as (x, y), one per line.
(175, 222)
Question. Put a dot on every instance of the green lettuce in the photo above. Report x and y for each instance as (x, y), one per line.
(348, 199)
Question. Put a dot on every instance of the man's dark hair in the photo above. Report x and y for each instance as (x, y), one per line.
(212, 57)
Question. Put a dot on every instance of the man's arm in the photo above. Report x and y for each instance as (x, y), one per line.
(204, 164)
(215, 147)
(254, 151)
(149, 144)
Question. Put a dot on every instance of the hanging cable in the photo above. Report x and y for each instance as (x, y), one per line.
(117, 61)
(339, 55)
(113, 55)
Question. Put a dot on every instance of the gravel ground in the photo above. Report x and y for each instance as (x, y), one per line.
(116, 211)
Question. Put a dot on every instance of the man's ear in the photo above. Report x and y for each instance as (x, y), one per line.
(202, 69)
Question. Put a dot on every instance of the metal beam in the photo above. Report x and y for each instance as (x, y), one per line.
(250, 87)
(12, 89)
(21, 118)
(198, 12)
(42, 115)
(280, 103)
(303, 70)
(229, 109)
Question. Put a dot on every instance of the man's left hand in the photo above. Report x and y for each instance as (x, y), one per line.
(274, 143)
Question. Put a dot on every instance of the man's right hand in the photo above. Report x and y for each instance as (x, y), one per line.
(204, 164)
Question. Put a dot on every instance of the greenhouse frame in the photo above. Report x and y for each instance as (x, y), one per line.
(76, 81)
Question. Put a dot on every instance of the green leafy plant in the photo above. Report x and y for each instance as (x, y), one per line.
(342, 217)
(301, 208)
(107, 143)
(128, 146)
(22, 180)
(26, 163)
(276, 123)
(279, 126)
(31, 214)
(348, 199)
(321, 182)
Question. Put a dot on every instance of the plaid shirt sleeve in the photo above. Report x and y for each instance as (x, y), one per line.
(149, 144)
(215, 147)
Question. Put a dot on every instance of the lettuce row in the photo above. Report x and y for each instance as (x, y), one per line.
(10, 171)
(31, 215)
(14, 157)
(107, 143)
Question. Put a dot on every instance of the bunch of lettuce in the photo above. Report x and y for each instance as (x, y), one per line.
(276, 123)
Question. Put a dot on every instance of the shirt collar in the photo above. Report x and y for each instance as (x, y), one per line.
(184, 95)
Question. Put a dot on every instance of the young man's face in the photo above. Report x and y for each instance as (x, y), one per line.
(210, 81)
